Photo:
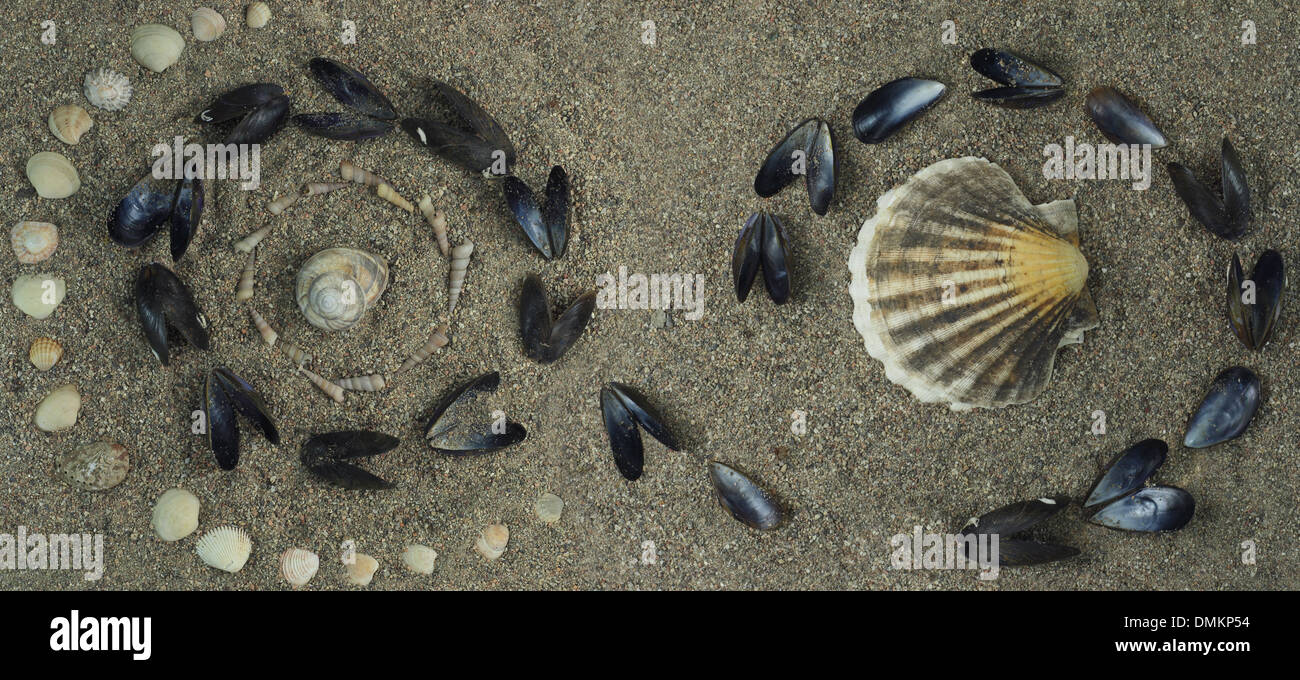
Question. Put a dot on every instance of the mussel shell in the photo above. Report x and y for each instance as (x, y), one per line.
(823, 167)
(1024, 553)
(161, 298)
(1236, 192)
(1154, 508)
(238, 102)
(323, 456)
(1009, 520)
(186, 213)
(1121, 120)
(137, 218)
(1227, 409)
(247, 402)
(624, 438)
(223, 431)
(546, 341)
(479, 120)
(813, 137)
(1203, 205)
(645, 414)
(893, 105)
(1020, 97)
(522, 204)
(449, 434)
(346, 126)
(745, 258)
(1012, 69)
(1128, 471)
(746, 501)
(261, 122)
(1254, 323)
(555, 212)
(350, 87)
(775, 257)
(472, 150)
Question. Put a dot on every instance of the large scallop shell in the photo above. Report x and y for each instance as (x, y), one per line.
(34, 241)
(336, 287)
(297, 566)
(225, 548)
(964, 290)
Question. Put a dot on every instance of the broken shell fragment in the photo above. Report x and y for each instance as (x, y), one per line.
(1121, 120)
(69, 122)
(437, 340)
(52, 175)
(437, 221)
(95, 467)
(257, 15)
(334, 391)
(34, 241)
(326, 456)
(38, 295)
(59, 409)
(298, 566)
(155, 46)
(175, 514)
(226, 548)
(1227, 409)
(207, 24)
(335, 287)
(107, 89)
(745, 500)
(491, 543)
(419, 558)
(361, 569)
(893, 105)
(44, 353)
(456, 278)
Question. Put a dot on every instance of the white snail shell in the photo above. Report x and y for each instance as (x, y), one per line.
(336, 287)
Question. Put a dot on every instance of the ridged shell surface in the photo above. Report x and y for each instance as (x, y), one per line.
(297, 566)
(336, 287)
(69, 122)
(964, 290)
(107, 89)
(225, 548)
(44, 353)
(34, 241)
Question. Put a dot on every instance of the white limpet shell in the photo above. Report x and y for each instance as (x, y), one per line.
(491, 543)
(361, 570)
(34, 241)
(44, 353)
(298, 566)
(964, 290)
(258, 15)
(175, 514)
(59, 409)
(52, 175)
(549, 507)
(225, 548)
(207, 24)
(156, 47)
(107, 89)
(69, 122)
(37, 295)
(419, 558)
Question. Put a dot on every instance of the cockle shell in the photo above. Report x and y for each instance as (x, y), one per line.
(336, 287)
(37, 295)
(59, 409)
(44, 353)
(361, 569)
(492, 541)
(225, 548)
(549, 507)
(69, 122)
(34, 241)
(297, 566)
(107, 89)
(95, 467)
(964, 290)
(207, 24)
(419, 558)
(52, 175)
(155, 46)
(258, 15)
(175, 514)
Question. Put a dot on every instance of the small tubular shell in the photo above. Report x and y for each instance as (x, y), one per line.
(294, 352)
(456, 281)
(388, 193)
(334, 391)
(437, 340)
(282, 203)
(363, 383)
(268, 334)
(314, 188)
(437, 221)
(353, 173)
(248, 243)
(245, 290)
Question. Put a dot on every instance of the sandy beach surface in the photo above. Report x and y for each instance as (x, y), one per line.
(662, 139)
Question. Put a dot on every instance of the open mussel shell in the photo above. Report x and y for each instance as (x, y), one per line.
(454, 430)
(646, 415)
(161, 299)
(747, 255)
(1152, 509)
(342, 125)
(522, 204)
(186, 213)
(262, 122)
(138, 217)
(624, 437)
(1012, 69)
(545, 340)
(1227, 409)
(813, 140)
(1009, 520)
(746, 501)
(247, 402)
(351, 88)
(472, 149)
(239, 102)
(1121, 120)
(325, 456)
(223, 430)
(1020, 97)
(1128, 471)
(1254, 307)
(893, 105)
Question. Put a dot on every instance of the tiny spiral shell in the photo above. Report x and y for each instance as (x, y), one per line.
(268, 334)
(388, 193)
(282, 203)
(335, 287)
(437, 340)
(44, 353)
(437, 221)
(245, 290)
(353, 173)
(248, 243)
(69, 122)
(298, 566)
(294, 352)
(314, 188)
(363, 383)
(459, 263)
(334, 391)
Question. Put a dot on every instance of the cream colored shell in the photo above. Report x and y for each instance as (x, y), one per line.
(361, 570)
(964, 290)
(225, 548)
(59, 409)
(175, 514)
(207, 24)
(492, 541)
(335, 287)
(419, 558)
(34, 241)
(52, 175)
(69, 122)
(156, 47)
(107, 89)
(44, 353)
(38, 295)
(298, 566)
(258, 15)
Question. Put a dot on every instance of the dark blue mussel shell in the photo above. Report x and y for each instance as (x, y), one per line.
(1128, 471)
(555, 211)
(248, 402)
(1226, 410)
(892, 106)
(547, 225)
(161, 299)
(351, 88)
(137, 218)
(623, 408)
(646, 415)
(1121, 120)
(814, 139)
(1227, 218)
(473, 149)
(762, 244)
(546, 340)
(1253, 321)
(1009, 520)
(325, 456)
(746, 256)
(261, 109)
(1152, 509)
(1013, 70)
(186, 213)
(746, 501)
(453, 430)
(342, 125)
(1020, 97)
(224, 395)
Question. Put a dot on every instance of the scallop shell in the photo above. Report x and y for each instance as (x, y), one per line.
(225, 548)
(95, 467)
(69, 122)
(107, 89)
(175, 514)
(207, 24)
(34, 241)
(59, 409)
(44, 353)
(258, 15)
(361, 570)
(419, 558)
(297, 566)
(336, 287)
(155, 46)
(52, 175)
(492, 541)
(964, 290)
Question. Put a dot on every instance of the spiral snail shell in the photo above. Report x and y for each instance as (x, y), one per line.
(336, 287)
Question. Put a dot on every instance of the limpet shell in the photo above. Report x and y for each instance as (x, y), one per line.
(155, 46)
(207, 24)
(95, 467)
(107, 89)
(44, 353)
(35, 297)
(34, 241)
(298, 566)
(225, 548)
(175, 514)
(59, 409)
(69, 122)
(492, 541)
(419, 558)
(549, 507)
(52, 175)
(258, 15)
(361, 570)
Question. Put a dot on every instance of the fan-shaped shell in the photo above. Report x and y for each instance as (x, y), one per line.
(44, 353)
(257, 15)
(107, 89)
(207, 24)
(225, 548)
(175, 514)
(155, 46)
(964, 290)
(52, 175)
(297, 566)
(34, 241)
(336, 287)
(69, 122)
(492, 541)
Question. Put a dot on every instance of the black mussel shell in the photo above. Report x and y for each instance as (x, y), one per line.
(223, 431)
(247, 402)
(1227, 409)
(1007, 521)
(161, 298)
(187, 212)
(546, 341)
(745, 500)
(261, 122)
(555, 212)
(746, 255)
(136, 220)
(1128, 471)
(449, 433)
(645, 414)
(774, 254)
(473, 150)
(1236, 192)
(892, 106)
(239, 102)
(353, 89)
(624, 438)
(812, 138)
(1201, 203)
(1020, 97)
(1012, 69)
(522, 204)
(822, 169)
(324, 455)
(1154, 508)
(1121, 120)
(1253, 320)
(346, 126)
